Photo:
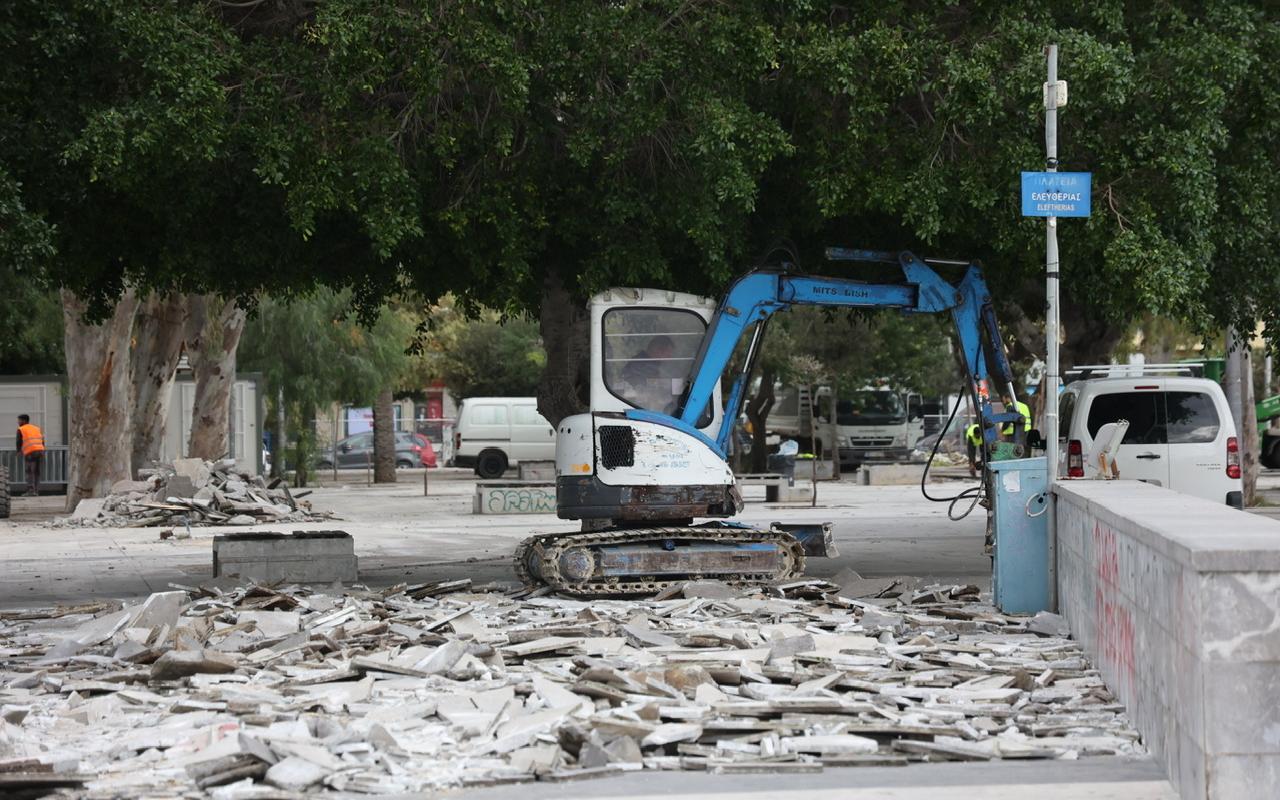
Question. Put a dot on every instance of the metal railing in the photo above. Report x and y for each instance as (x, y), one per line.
(54, 471)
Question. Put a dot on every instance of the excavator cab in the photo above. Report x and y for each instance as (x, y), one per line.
(629, 460)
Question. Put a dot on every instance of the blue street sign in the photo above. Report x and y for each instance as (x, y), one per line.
(1056, 194)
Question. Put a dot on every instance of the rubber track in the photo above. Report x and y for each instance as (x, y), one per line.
(548, 548)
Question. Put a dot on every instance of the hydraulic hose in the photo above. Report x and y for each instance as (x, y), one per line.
(974, 492)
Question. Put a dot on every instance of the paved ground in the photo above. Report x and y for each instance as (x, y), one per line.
(402, 536)
(1093, 778)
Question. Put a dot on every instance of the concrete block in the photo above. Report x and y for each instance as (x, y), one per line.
(514, 498)
(301, 557)
(782, 493)
(1245, 621)
(892, 474)
(1241, 712)
(179, 486)
(194, 468)
(89, 508)
(543, 471)
(1235, 776)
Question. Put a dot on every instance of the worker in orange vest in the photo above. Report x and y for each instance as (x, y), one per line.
(31, 443)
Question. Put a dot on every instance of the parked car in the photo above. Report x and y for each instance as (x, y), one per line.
(495, 433)
(427, 449)
(1181, 434)
(412, 450)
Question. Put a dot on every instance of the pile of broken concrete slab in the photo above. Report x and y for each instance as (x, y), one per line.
(255, 691)
(191, 492)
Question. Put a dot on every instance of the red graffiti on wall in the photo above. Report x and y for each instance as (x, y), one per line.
(1115, 623)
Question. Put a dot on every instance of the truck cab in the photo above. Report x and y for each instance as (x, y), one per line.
(877, 424)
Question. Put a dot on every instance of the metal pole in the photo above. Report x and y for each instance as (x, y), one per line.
(1051, 327)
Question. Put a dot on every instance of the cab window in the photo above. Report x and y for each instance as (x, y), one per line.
(648, 353)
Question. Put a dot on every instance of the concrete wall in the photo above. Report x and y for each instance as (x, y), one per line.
(1177, 600)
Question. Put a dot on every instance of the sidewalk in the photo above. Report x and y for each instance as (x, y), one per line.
(402, 536)
(1091, 779)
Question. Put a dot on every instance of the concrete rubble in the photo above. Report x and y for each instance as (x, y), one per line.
(193, 492)
(253, 691)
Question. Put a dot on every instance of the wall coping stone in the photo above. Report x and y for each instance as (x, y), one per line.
(1190, 530)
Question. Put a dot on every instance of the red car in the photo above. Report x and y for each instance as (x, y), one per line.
(425, 452)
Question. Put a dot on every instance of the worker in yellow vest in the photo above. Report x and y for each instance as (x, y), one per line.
(30, 441)
(973, 444)
(1025, 411)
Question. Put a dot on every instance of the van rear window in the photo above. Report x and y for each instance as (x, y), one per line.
(1142, 409)
(1158, 417)
(1193, 419)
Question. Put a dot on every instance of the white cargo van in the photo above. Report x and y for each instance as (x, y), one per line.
(1181, 435)
(494, 433)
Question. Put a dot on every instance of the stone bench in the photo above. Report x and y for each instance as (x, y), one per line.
(514, 497)
(298, 557)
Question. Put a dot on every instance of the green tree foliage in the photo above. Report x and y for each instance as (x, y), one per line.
(474, 148)
(30, 327)
(905, 351)
(486, 356)
(311, 348)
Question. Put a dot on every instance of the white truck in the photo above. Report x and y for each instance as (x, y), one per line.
(872, 425)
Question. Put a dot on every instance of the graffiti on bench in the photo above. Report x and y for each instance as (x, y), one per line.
(517, 500)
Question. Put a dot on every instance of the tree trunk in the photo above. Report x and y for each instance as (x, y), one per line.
(1086, 339)
(384, 438)
(215, 327)
(157, 345)
(565, 325)
(758, 413)
(277, 441)
(1250, 444)
(98, 382)
(1232, 379)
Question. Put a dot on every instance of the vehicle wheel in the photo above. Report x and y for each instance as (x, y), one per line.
(491, 464)
(324, 465)
(404, 464)
(4, 493)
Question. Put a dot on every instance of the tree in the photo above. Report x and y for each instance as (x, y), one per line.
(523, 155)
(484, 356)
(311, 351)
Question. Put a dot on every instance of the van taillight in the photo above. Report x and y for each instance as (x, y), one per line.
(1233, 457)
(1075, 459)
(457, 440)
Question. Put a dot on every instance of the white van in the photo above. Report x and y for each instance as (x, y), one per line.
(494, 433)
(1181, 434)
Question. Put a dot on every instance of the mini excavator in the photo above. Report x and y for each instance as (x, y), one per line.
(647, 471)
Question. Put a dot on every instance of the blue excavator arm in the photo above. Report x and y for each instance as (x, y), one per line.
(754, 298)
